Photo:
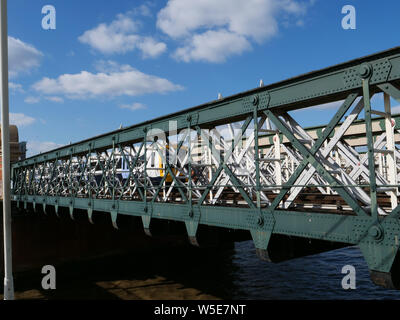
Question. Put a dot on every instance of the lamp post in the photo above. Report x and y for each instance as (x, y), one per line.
(5, 149)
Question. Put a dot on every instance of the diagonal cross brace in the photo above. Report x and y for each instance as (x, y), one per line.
(238, 184)
(309, 155)
(165, 174)
(311, 159)
(227, 155)
(307, 175)
(391, 90)
(182, 163)
(238, 159)
(168, 167)
(131, 167)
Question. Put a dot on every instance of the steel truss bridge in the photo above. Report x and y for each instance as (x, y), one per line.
(244, 163)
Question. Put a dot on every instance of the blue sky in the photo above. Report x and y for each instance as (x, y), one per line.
(117, 62)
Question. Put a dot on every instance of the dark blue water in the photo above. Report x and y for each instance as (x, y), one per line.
(313, 277)
(226, 274)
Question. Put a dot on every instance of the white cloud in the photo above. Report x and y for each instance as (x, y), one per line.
(212, 46)
(120, 36)
(15, 87)
(120, 81)
(133, 107)
(143, 10)
(20, 119)
(36, 147)
(55, 99)
(116, 37)
(246, 21)
(110, 66)
(151, 48)
(22, 56)
(32, 100)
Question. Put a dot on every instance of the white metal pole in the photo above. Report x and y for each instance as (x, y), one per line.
(5, 149)
(390, 146)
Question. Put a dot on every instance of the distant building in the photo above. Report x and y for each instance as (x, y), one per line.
(22, 150)
(17, 151)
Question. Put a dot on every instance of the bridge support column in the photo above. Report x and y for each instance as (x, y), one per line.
(191, 228)
(114, 215)
(146, 224)
(383, 263)
(261, 234)
(379, 244)
(71, 212)
(90, 215)
(261, 240)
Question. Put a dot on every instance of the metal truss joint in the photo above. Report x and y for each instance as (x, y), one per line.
(365, 71)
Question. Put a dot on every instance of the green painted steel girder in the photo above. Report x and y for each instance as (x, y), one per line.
(329, 227)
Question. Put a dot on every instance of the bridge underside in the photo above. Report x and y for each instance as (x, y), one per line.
(244, 163)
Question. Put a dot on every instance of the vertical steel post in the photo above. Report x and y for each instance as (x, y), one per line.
(89, 185)
(277, 162)
(328, 189)
(5, 149)
(70, 168)
(257, 156)
(371, 152)
(189, 169)
(114, 165)
(390, 145)
(145, 169)
(164, 166)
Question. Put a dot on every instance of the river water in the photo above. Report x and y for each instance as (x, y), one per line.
(190, 273)
(313, 277)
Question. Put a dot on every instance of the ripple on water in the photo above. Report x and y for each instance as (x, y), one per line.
(313, 277)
